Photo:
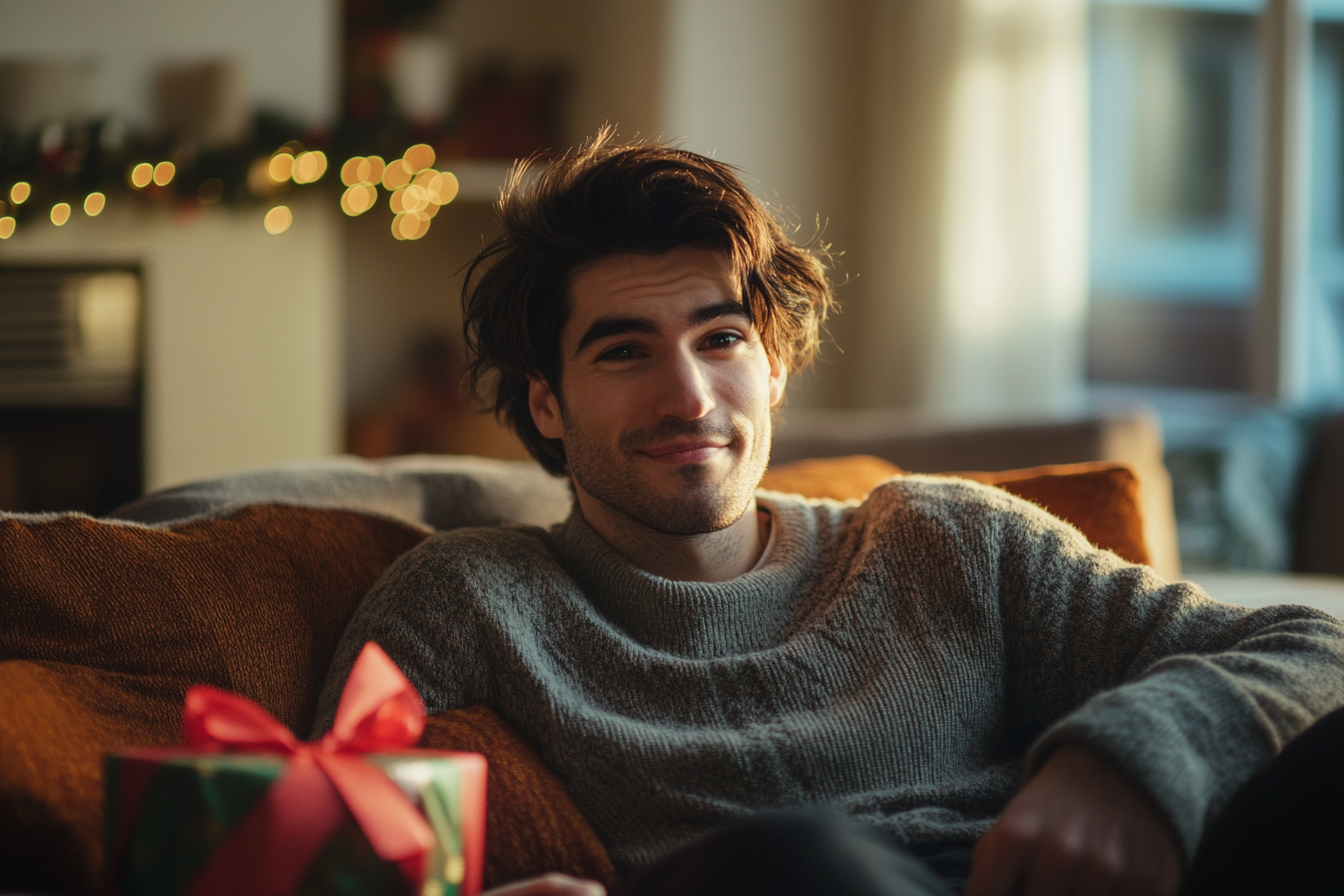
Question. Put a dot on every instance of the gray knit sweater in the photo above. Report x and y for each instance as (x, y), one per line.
(909, 660)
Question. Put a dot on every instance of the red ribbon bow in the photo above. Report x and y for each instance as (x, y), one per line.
(270, 851)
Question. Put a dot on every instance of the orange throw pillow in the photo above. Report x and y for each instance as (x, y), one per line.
(1100, 499)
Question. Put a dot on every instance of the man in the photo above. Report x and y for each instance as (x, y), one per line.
(691, 657)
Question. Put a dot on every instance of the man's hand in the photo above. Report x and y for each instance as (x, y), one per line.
(553, 884)
(1079, 828)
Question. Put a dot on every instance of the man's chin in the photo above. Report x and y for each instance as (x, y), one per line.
(685, 510)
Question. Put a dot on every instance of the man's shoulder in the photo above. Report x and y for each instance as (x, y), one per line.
(946, 501)
(473, 551)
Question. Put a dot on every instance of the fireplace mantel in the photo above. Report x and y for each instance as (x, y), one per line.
(242, 341)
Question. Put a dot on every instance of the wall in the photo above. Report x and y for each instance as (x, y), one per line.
(288, 50)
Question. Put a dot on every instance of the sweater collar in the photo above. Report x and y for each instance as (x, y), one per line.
(698, 619)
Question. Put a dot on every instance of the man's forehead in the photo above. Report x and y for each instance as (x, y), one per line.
(687, 273)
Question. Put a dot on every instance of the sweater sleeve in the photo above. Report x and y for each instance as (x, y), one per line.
(1186, 695)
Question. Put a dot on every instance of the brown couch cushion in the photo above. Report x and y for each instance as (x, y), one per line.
(103, 627)
(532, 826)
(1101, 499)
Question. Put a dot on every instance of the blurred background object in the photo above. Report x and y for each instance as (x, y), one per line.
(203, 103)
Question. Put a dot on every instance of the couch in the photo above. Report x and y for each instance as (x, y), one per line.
(245, 582)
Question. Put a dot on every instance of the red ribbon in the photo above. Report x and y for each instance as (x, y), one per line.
(271, 850)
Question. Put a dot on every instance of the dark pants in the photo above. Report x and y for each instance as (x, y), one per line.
(1283, 832)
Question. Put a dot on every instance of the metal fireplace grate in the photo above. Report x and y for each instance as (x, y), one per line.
(69, 337)
(71, 417)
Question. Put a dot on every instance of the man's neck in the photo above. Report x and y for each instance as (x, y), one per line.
(706, 557)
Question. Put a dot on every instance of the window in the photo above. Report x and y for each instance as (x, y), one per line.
(1217, 224)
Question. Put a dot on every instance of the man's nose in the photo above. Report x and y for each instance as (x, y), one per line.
(683, 391)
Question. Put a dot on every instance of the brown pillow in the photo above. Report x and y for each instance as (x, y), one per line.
(532, 826)
(103, 627)
(1101, 499)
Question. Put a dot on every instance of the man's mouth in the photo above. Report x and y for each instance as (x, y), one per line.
(684, 451)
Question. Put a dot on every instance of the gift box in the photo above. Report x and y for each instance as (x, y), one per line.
(247, 808)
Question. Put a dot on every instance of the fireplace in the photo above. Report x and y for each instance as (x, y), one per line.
(71, 409)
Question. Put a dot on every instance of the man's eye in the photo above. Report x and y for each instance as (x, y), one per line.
(619, 353)
(723, 340)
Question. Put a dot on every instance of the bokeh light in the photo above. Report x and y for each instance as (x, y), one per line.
(60, 213)
(410, 226)
(163, 173)
(309, 167)
(376, 168)
(359, 199)
(280, 167)
(397, 175)
(7, 226)
(19, 193)
(350, 170)
(419, 157)
(441, 186)
(278, 219)
(94, 203)
(141, 175)
(211, 191)
(415, 199)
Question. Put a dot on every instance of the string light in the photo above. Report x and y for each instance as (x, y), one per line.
(281, 167)
(278, 219)
(94, 204)
(441, 186)
(419, 157)
(309, 167)
(60, 213)
(397, 174)
(375, 173)
(141, 175)
(7, 226)
(163, 173)
(358, 199)
(350, 170)
(410, 226)
(19, 193)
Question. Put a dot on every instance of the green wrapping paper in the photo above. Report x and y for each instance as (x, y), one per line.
(168, 811)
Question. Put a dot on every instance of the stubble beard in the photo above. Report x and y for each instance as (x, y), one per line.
(700, 503)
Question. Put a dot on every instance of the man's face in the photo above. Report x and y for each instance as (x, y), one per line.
(666, 390)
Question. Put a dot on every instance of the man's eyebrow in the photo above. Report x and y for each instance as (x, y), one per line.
(605, 327)
(726, 308)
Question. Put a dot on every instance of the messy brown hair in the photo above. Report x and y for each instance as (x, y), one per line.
(606, 199)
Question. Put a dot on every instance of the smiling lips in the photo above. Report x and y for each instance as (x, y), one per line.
(684, 452)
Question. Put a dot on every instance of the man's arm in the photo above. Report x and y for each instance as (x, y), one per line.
(1179, 699)
(1078, 827)
(1185, 697)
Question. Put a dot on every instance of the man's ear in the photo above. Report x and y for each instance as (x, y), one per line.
(545, 408)
(779, 375)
